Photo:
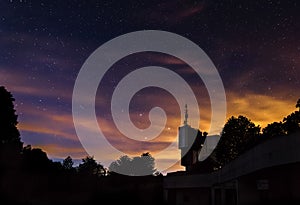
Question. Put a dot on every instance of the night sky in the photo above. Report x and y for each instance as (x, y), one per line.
(254, 45)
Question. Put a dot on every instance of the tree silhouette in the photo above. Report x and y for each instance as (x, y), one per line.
(136, 166)
(144, 165)
(292, 122)
(10, 143)
(274, 129)
(9, 134)
(91, 167)
(68, 163)
(123, 166)
(238, 135)
(35, 159)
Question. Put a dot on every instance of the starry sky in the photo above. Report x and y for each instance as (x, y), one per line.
(254, 45)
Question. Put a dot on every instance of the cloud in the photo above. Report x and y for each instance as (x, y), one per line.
(40, 128)
(190, 11)
(257, 90)
(19, 84)
(261, 109)
(61, 151)
(170, 12)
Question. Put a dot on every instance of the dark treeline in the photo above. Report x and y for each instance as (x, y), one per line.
(239, 135)
(27, 176)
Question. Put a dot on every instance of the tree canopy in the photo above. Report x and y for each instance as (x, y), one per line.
(35, 160)
(274, 129)
(9, 134)
(91, 167)
(68, 163)
(290, 124)
(238, 135)
(136, 166)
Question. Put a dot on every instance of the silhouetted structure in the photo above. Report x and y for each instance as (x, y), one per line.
(259, 169)
(190, 143)
(265, 171)
(266, 174)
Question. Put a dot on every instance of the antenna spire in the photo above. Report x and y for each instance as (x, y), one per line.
(186, 115)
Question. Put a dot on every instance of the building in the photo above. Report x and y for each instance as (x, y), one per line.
(266, 174)
(208, 147)
(190, 142)
(195, 146)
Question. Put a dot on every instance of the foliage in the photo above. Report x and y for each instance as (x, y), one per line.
(34, 159)
(122, 165)
(136, 166)
(9, 134)
(91, 167)
(274, 129)
(238, 135)
(68, 163)
(290, 124)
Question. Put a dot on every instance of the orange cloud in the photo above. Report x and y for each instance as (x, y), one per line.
(261, 109)
(45, 130)
(47, 122)
(60, 151)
